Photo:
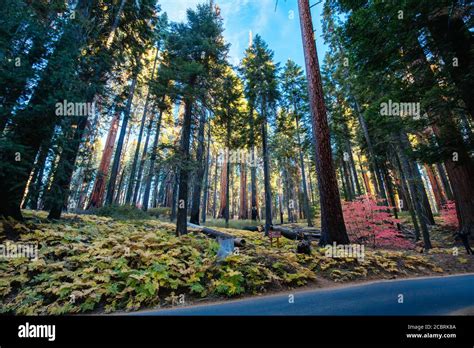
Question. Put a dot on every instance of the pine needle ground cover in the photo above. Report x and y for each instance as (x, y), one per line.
(95, 264)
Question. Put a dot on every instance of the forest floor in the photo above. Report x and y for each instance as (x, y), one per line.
(96, 264)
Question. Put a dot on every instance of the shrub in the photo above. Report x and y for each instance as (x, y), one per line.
(159, 212)
(237, 224)
(369, 223)
(449, 216)
(121, 212)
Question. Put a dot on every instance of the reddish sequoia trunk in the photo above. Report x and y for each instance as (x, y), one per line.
(448, 193)
(332, 220)
(437, 191)
(100, 182)
(118, 151)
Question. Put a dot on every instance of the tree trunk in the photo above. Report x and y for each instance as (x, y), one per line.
(378, 175)
(223, 185)
(352, 168)
(287, 193)
(205, 197)
(214, 200)
(444, 180)
(365, 177)
(420, 192)
(98, 191)
(333, 228)
(460, 167)
(422, 218)
(266, 172)
(135, 181)
(311, 185)
(454, 40)
(343, 181)
(437, 192)
(243, 207)
(174, 194)
(25, 134)
(406, 194)
(118, 150)
(64, 171)
(348, 180)
(253, 167)
(151, 168)
(391, 192)
(143, 158)
(63, 177)
(280, 200)
(155, 190)
(303, 174)
(181, 221)
(227, 181)
(196, 197)
(37, 180)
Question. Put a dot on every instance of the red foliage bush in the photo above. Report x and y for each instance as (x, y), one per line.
(449, 216)
(369, 223)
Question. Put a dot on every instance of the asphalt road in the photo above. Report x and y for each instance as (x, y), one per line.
(422, 296)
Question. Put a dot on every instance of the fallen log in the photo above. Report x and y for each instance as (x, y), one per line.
(294, 234)
(253, 228)
(239, 242)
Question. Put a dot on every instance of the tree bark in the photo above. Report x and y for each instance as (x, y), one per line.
(418, 182)
(444, 180)
(391, 192)
(378, 175)
(227, 181)
(253, 167)
(196, 197)
(214, 200)
(437, 192)
(348, 179)
(343, 181)
(37, 179)
(223, 186)
(460, 167)
(64, 171)
(181, 221)
(134, 183)
(333, 228)
(98, 191)
(243, 207)
(352, 167)
(63, 177)
(205, 197)
(303, 174)
(118, 150)
(454, 40)
(409, 202)
(143, 158)
(151, 168)
(266, 171)
(407, 170)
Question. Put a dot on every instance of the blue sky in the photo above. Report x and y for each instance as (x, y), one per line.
(280, 28)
